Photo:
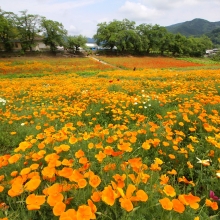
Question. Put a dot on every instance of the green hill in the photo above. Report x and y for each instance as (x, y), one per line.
(214, 35)
(196, 27)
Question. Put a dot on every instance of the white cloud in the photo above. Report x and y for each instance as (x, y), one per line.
(138, 12)
(82, 16)
(176, 4)
(46, 6)
(72, 30)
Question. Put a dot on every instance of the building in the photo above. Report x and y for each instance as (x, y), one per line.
(212, 52)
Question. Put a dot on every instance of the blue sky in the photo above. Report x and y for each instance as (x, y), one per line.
(82, 16)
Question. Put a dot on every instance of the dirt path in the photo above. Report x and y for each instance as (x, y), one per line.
(94, 58)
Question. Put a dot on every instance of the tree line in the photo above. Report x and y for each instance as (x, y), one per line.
(147, 38)
(27, 27)
(123, 35)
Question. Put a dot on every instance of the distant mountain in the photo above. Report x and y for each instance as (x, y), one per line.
(196, 27)
(90, 40)
(214, 35)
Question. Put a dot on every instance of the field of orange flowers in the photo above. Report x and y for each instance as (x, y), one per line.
(89, 141)
(139, 63)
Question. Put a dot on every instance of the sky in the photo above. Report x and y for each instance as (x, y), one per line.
(82, 16)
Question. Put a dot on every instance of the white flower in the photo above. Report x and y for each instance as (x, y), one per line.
(204, 162)
(22, 124)
(3, 101)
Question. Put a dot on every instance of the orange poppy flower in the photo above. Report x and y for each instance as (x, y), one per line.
(93, 208)
(100, 156)
(126, 204)
(79, 154)
(125, 147)
(166, 204)
(64, 147)
(94, 181)
(84, 212)
(65, 172)
(126, 200)
(14, 173)
(135, 163)
(190, 200)
(82, 183)
(83, 160)
(54, 189)
(90, 145)
(146, 145)
(1, 188)
(68, 163)
(183, 179)
(108, 150)
(169, 190)
(96, 196)
(14, 158)
(178, 206)
(48, 172)
(164, 179)
(155, 167)
(41, 146)
(59, 208)
(70, 214)
(76, 176)
(172, 172)
(25, 171)
(34, 166)
(32, 184)
(34, 201)
(73, 140)
(171, 156)
(109, 195)
(110, 139)
(211, 153)
(141, 196)
(1, 177)
(53, 199)
(213, 205)
(17, 188)
(38, 127)
(120, 180)
(190, 166)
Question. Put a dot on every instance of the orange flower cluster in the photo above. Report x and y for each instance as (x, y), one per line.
(50, 66)
(148, 62)
(120, 140)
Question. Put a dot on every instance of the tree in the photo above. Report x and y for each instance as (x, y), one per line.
(54, 33)
(143, 31)
(199, 45)
(75, 42)
(215, 37)
(8, 30)
(127, 38)
(153, 37)
(178, 44)
(28, 26)
(106, 34)
(121, 34)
